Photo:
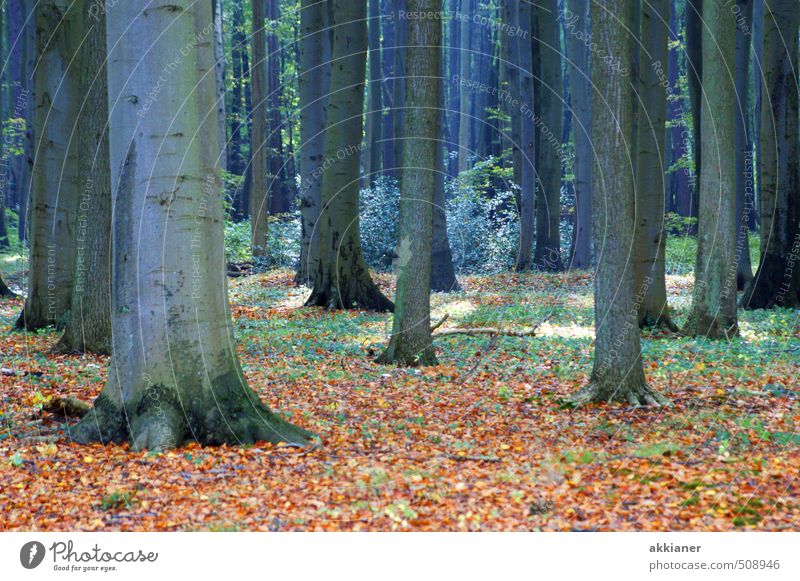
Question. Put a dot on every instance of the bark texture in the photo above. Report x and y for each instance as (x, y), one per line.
(411, 343)
(174, 373)
(527, 140)
(259, 149)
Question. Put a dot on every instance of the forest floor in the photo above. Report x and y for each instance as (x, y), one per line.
(480, 442)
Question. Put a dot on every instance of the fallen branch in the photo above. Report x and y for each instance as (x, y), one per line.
(530, 332)
(441, 321)
(458, 458)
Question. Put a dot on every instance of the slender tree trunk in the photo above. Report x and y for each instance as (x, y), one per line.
(26, 172)
(237, 112)
(278, 202)
(744, 144)
(512, 102)
(411, 343)
(714, 300)
(259, 148)
(758, 91)
(373, 132)
(527, 139)
(54, 189)
(343, 280)
(465, 126)
(679, 189)
(777, 281)
(694, 64)
(314, 82)
(550, 152)
(389, 80)
(576, 27)
(174, 372)
(399, 86)
(454, 93)
(443, 276)
(618, 374)
(219, 71)
(88, 324)
(650, 275)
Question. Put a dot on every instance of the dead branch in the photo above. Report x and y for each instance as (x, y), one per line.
(529, 332)
(441, 321)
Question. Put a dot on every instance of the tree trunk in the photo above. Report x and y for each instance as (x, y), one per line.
(174, 373)
(576, 22)
(259, 148)
(399, 86)
(278, 202)
(88, 324)
(454, 93)
(373, 133)
(465, 125)
(238, 113)
(6, 292)
(314, 82)
(219, 71)
(650, 277)
(26, 172)
(694, 65)
(343, 280)
(714, 300)
(549, 152)
(679, 189)
(512, 101)
(777, 281)
(527, 139)
(389, 80)
(618, 374)
(744, 143)
(55, 179)
(443, 275)
(411, 343)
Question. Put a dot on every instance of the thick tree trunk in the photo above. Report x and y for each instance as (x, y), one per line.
(777, 281)
(88, 324)
(5, 292)
(411, 343)
(465, 125)
(314, 82)
(618, 374)
(549, 153)
(259, 148)
(650, 277)
(714, 300)
(174, 372)
(373, 131)
(55, 179)
(744, 143)
(343, 280)
(576, 25)
(694, 70)
(527, 139)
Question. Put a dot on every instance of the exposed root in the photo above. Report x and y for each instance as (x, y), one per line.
(636, 394)
(529, 332)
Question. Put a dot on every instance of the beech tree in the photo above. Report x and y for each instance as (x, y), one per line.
(314, 82)
(744, 143)
(174, 373)
(650, 275)
(259, 193)
(88, 321)
(527, 140)
(411, 342)
(714, 299)
(54, 187)
(777, 280)
(549, 151)
(343, 280)
(618, 374)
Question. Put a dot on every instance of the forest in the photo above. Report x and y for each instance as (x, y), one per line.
(399, 265)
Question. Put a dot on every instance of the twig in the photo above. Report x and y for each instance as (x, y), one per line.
(441, 321)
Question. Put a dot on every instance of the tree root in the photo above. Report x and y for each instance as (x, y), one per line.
(636, 394)
(472, 331)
